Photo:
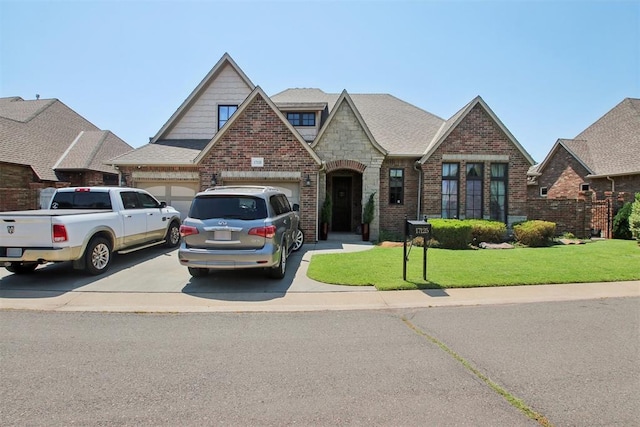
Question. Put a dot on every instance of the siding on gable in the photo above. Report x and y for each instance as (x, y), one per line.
(200, 121)
(477, 139)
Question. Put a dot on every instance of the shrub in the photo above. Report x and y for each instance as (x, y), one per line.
(621, 228)
(451, 233)
(389, 236)
(535, 233)
(634, 218)
(487, 231)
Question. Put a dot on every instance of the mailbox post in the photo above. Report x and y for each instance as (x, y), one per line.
(413, 229)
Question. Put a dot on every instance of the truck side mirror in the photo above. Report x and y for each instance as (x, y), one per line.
(163, 205)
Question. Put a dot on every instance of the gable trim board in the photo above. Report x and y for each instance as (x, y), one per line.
(561, 143)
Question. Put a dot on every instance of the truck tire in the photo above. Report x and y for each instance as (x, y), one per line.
(19, 268)
(97, 256)
(173, 235)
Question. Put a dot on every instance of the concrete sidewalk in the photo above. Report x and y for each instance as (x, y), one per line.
(302, 294)
(308, 301)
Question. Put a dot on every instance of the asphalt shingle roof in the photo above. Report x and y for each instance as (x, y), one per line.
(611, 145)
(40, 133)
(164, 152)
(399, 127)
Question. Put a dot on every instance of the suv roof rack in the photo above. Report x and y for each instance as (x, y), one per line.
(261, 188)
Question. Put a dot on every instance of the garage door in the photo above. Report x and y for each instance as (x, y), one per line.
(176, 194)
(290, 189)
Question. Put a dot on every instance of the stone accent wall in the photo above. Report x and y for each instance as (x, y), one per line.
(393, 216)
(477, 139)
(344, 140)
(259, 132)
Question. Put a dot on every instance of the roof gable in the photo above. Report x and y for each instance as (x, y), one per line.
(345, 98)
(257, 93)
(457, 118)
(226, 62)
(572, 146)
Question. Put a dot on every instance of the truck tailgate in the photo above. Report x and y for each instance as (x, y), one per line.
(20, 231)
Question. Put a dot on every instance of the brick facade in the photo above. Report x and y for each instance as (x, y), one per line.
(394, 215)
(563, 176)
(260, 132)
(477, 139)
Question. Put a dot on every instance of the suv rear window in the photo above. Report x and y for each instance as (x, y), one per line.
(81, 200)
(228, 207)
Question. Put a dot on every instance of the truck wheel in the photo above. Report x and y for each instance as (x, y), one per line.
(19, 268)
(173, 235)
(97, 256)
(198, 272)
(278, 271)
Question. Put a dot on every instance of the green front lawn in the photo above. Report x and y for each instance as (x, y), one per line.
(597, 261)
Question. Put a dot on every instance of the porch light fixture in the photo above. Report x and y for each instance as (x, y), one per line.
(214, 180)
(307, 181)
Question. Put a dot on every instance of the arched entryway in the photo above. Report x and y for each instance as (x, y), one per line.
(344, 185)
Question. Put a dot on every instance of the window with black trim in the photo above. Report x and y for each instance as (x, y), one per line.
(585, 187)
(473, 208)
(450, 178)
(302, 119)
(498, 192)
(544, 191)
(396, 186)
(224, 113)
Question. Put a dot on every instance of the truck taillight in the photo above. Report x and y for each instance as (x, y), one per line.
(59, 233)
(187, 230)
(267, 232)
(83, 190)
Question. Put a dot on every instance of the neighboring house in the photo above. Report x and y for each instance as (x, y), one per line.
(605, 157)
(311, 144)
(45, 144)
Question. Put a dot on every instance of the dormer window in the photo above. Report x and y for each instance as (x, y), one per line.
(302, 119)
(224, 113)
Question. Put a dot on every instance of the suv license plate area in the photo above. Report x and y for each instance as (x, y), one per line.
(222, 235)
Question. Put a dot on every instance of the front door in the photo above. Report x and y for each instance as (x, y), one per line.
(341, 218)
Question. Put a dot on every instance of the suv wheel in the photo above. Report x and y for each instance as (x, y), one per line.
(298, 240)
(277, 272)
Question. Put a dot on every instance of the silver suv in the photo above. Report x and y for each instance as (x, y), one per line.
(239, 227)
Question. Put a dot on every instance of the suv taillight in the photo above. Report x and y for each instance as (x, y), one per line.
(59, 233)
(267, 232)
(187, 230)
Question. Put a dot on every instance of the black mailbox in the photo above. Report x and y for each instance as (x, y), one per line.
(419, 229)
(413, 229)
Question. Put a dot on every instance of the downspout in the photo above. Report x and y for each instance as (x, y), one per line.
(613, 184)
(417, 168)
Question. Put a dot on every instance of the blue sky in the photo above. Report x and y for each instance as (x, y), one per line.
(548, 69)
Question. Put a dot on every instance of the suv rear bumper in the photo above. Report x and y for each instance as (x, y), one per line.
(267, 256)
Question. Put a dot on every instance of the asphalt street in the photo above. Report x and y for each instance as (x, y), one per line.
(574, 363)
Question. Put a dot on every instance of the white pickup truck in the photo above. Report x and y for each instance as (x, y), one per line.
(86, 225)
